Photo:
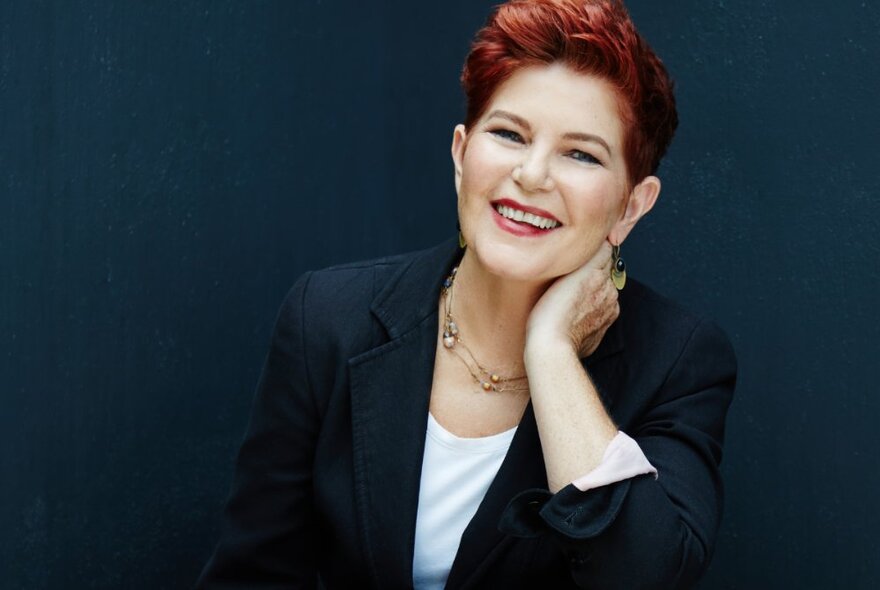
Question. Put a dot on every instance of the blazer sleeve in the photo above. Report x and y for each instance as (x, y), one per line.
(643, 533)
(267, 537)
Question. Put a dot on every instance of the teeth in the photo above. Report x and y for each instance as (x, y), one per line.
(530, 218)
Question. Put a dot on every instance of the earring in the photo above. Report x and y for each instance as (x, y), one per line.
(461, 243)
(618, 268)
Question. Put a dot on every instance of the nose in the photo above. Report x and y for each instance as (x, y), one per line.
(532, 173)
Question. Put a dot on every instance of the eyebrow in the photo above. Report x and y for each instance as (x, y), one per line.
(588, 137)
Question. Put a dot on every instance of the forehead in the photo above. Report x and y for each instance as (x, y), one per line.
(557, 98)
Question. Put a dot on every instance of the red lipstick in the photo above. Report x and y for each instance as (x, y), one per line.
(518, 228)
(524, 208)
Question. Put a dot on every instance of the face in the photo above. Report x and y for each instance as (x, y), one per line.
(541, 176)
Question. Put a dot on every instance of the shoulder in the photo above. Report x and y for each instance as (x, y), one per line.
(665, 334)
(350, 286)
(335, 305)
(642, 304)
(341, 293)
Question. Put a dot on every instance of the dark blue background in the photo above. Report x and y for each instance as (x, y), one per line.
(167, 169)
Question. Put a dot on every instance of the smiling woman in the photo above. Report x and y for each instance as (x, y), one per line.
(493, 412)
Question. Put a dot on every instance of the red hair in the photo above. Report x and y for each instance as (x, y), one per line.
(594, 37)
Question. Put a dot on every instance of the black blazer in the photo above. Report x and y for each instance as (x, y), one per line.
(327, 479)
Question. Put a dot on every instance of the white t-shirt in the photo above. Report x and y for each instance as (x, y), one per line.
(456, 473)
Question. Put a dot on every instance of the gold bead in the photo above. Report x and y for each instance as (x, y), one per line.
(495, 378)
(486, 385)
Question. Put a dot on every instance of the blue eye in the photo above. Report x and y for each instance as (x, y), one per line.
(584, 157)
(507, 134)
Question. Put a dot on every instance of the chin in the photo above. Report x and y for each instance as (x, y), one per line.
(513, 263)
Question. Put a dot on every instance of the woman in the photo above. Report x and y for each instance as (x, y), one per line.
(456, 417)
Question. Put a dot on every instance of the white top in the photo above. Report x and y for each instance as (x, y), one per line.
(456, 473)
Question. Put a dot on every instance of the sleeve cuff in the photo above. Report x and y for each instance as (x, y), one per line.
(622, 460)
(573, 513)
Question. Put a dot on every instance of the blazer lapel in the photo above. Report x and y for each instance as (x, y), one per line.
(390, 391)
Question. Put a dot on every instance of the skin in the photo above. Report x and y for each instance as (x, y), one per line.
(536, 305)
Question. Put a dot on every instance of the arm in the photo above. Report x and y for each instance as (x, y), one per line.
(570, 319)
(639, 532)
(268, 540)
(573, 425)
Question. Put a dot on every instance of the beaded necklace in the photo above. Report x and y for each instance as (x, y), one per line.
(487, 380)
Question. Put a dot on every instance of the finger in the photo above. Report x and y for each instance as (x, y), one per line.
(602, 258)
(612, 312)
(609, 295)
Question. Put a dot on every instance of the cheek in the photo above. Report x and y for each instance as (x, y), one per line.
(483, 167)
(595, 202)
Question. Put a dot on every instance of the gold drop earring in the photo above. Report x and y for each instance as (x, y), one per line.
(618, 268)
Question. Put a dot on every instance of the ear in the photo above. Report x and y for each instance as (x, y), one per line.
(641, 200)
(459, 143)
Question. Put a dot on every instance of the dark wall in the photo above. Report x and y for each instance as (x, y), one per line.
(770, 223)
(167, 169)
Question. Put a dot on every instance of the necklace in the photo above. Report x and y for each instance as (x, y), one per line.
(487, 380)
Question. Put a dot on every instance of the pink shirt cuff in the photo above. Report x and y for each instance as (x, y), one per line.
(622, 460)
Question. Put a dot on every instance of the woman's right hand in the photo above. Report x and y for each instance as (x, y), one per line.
(577, 309)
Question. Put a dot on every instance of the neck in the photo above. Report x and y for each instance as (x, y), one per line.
(492, 312)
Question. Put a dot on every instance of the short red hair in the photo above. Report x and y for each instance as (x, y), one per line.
(595, 37)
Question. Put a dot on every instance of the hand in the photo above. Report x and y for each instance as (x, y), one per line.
(578, 308)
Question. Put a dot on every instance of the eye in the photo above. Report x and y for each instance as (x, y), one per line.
(507, 134)
(584, 157)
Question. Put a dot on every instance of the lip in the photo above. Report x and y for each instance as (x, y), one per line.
(524, 230)
(525, 208)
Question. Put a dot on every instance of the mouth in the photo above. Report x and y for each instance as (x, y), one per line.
(514, 214)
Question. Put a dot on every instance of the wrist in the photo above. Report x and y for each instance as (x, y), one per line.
(541, 348)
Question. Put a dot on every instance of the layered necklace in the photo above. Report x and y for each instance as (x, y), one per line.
(489, 381)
